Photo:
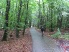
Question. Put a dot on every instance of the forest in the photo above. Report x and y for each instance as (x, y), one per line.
(17, 17)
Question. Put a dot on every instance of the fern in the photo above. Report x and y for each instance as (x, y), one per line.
(57, 34)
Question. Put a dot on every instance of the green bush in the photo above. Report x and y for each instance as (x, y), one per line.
(65, 36)
(57, 34)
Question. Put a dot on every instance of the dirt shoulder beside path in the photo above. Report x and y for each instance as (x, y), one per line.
(23, 44)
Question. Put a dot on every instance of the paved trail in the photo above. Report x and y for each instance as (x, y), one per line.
(43, 44)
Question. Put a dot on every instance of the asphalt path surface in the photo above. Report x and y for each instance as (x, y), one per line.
(43, 44)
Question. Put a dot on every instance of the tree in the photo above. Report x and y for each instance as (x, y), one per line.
(18, 19)
(6, 20)
(26, 17)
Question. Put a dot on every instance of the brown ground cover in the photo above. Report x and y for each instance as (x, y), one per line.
(23, 44)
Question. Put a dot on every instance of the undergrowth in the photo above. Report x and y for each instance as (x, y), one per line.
(59, 35)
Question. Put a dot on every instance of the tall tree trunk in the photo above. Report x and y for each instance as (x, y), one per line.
(39, 16)
(26, 17)
(6, 20)
(51, 20)
(18, 19)
(30, 22)
(44, 16)
(67, 22)
(51, 27)
(59, 19)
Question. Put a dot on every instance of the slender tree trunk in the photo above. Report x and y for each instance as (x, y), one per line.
(51, 27)
(26, 17)
(51, 13)
(44, 16)
(18, 19)
(67, 22)
(30, 22)
(59, 19)
(39, 16)
(6, 20)
(38, 24)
